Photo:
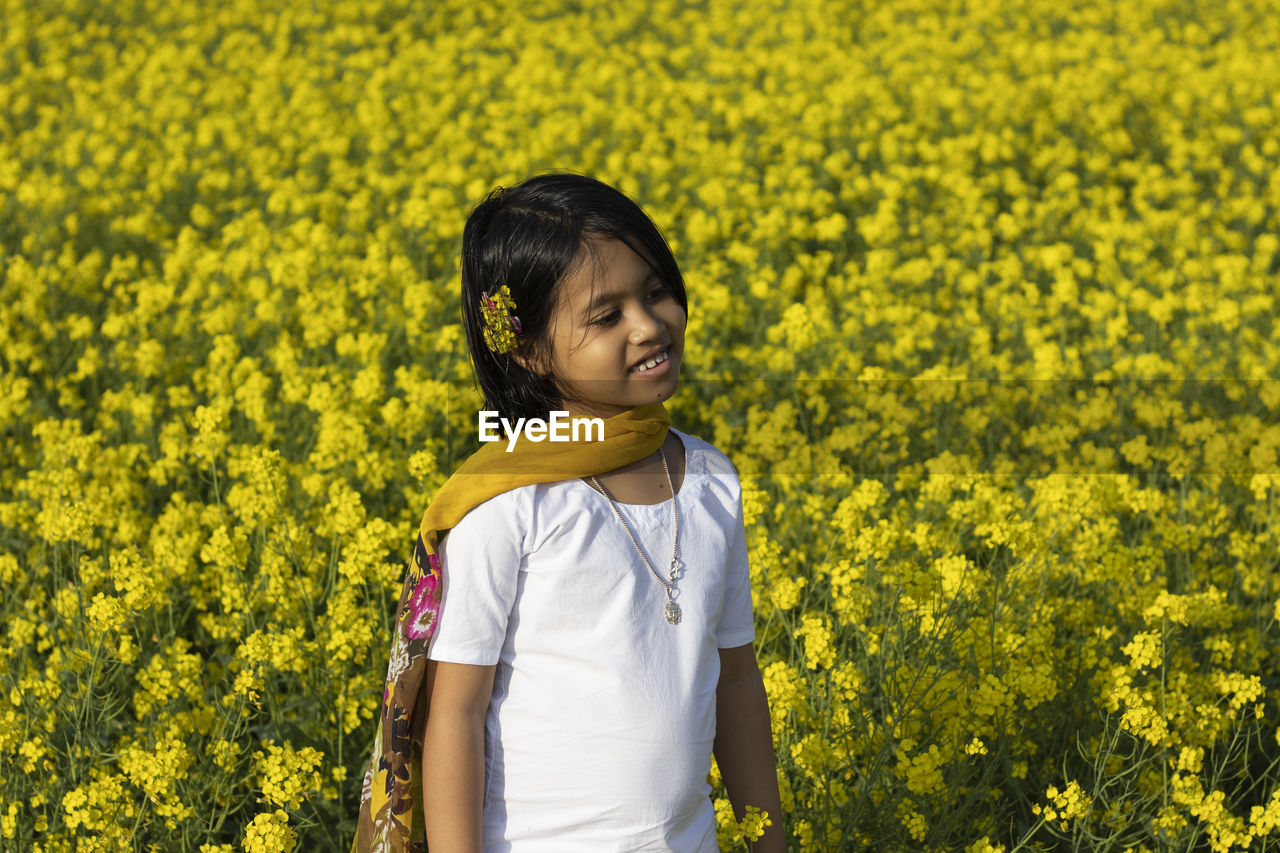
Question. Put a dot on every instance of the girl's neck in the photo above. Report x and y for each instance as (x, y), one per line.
(577, 410)
(644, 482)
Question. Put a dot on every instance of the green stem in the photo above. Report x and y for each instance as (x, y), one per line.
(1027, 837)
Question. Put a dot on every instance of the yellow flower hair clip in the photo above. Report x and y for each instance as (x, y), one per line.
(501, 325)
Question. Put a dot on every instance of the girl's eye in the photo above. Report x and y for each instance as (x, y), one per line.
(657, 294)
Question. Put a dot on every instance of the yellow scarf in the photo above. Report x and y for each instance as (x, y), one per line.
(391, 817)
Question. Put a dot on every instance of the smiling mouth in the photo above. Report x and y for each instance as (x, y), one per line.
(661, 358)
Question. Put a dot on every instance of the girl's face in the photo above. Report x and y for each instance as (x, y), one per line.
(598, 343)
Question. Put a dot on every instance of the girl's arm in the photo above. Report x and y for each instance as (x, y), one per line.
(744, 743)
(453, 754)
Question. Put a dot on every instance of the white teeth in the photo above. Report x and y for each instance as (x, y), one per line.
(653, 362)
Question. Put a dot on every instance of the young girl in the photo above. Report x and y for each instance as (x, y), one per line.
(568, 658)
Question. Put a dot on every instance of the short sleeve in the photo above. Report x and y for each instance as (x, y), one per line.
(737, 624)
(479, 565)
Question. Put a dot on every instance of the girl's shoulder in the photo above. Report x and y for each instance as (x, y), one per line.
(703, 457)
(504, 514)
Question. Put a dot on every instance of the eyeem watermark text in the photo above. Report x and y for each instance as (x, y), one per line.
(560, 427)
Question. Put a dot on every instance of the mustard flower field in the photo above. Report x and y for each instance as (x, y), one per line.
(983, 308)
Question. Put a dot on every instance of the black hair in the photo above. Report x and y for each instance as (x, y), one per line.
(529, 237)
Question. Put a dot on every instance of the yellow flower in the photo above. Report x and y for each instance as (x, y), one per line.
(345, 511)
(211, 423)
(819, 649)
(1145, 650)
(785, 590)
(9, 821)
(286, 774)
(984, 845)
(106, 614)
(916, 825)
(1066, 805)
(753, 823)
(269, 832)
(923, 771)
(500, 325)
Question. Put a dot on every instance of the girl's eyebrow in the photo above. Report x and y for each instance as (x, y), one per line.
(604, 298)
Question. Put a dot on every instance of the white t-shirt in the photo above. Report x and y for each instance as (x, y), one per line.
(599, 730)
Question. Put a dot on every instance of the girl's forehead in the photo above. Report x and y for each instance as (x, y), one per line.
(602, 258)
(603, 263)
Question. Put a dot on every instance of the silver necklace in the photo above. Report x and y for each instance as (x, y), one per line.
(672, 610)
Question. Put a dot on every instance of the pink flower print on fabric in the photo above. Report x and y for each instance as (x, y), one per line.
(424, 601)
(433, 579)
(420, 621)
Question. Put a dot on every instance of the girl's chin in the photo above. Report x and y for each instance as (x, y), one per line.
(663, 393)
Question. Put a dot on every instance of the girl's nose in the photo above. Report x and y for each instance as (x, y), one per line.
(647, 326)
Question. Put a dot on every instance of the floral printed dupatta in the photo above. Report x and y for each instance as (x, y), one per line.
(391, 816)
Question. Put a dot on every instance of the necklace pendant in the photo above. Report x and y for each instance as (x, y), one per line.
(672, 612)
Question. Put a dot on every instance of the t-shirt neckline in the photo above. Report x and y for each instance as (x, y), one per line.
(689, 457)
